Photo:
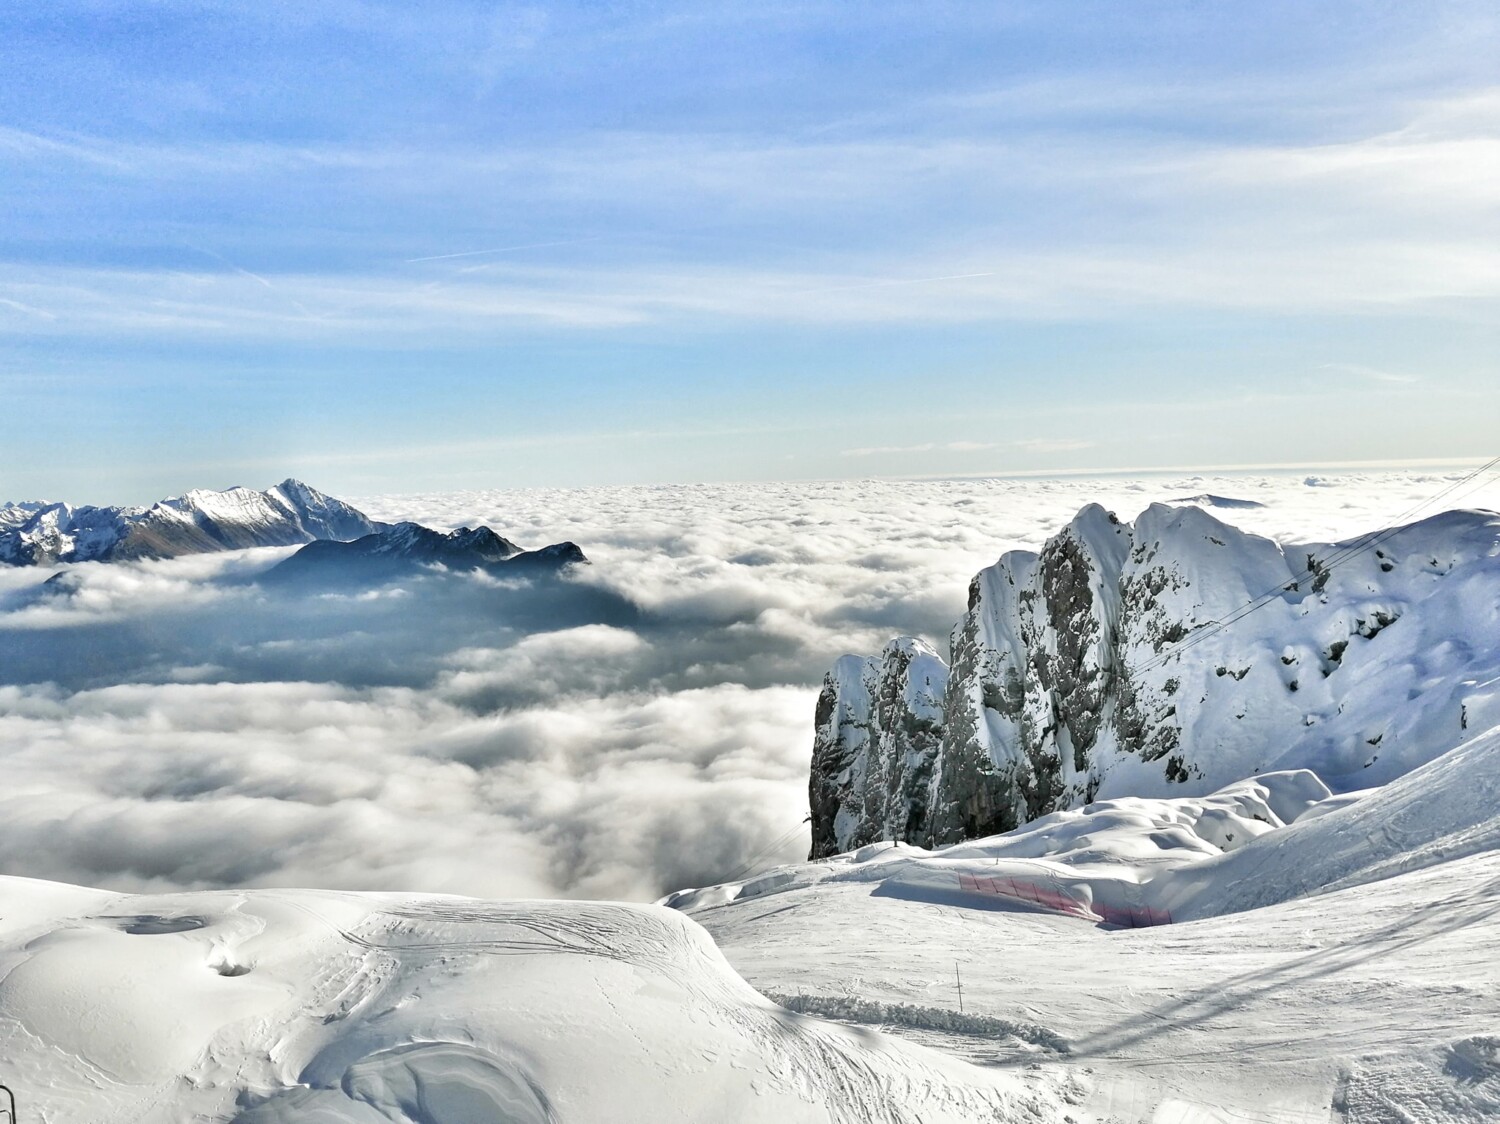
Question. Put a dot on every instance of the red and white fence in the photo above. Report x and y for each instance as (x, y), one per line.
(1058, 900)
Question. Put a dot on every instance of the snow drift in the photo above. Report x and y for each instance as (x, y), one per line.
(269, 1007)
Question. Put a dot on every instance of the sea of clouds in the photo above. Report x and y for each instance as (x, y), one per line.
(643, 726)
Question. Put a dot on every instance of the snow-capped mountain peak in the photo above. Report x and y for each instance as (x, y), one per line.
(199, 521)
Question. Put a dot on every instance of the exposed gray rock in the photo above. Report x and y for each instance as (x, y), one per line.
(408, 548)
(879, 722)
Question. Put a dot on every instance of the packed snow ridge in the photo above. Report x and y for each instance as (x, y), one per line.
(1099, 667)
(202, 521)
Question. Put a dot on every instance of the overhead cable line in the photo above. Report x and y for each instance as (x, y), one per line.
(1316, 567)
(769, 849)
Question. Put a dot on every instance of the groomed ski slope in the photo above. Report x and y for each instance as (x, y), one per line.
(1342, 967)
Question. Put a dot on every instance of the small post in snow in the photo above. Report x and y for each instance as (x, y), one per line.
(960, 980)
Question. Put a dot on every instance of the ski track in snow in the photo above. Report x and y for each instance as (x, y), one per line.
(277, 1006)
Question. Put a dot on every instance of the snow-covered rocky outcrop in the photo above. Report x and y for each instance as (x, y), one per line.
(1140, 862)
(879, 729)
(1098, 667)
(202, 521)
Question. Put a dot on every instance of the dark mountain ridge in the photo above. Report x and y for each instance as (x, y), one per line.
(409, 548)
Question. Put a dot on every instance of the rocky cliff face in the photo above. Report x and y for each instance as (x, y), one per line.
(879, 725)
(1097, 667)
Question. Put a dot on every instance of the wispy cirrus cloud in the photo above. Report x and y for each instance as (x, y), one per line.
(546, 215)
(922, 447)
(1338, 225)
(1364, 371)
(1350, 277)
(1053, 444)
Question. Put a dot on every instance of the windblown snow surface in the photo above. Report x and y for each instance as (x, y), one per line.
(288, 1007)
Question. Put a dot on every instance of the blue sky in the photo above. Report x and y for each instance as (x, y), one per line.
(399, 247)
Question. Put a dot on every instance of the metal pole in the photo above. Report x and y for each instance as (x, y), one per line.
(960, 980)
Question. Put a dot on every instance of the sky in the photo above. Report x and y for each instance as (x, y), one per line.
(452, 245)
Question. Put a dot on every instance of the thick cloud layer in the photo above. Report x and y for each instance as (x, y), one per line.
(642, 726)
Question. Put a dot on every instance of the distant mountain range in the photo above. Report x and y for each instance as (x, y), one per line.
(200, 522)
(343, 545)
(407, 548)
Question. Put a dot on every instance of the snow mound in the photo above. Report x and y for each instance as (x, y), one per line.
(1445, 810)
(1097, 863)
(1143, 861)
(268, 1007)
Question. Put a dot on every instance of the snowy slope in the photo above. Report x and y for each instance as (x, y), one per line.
(1267, 953)
(1096, 667)
(272, 1007)
(1375, 997)
(199, 522)
(1371, 1005)
(15, 514)
(1446, 810)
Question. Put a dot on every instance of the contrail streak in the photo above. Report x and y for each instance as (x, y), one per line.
(293, 301)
